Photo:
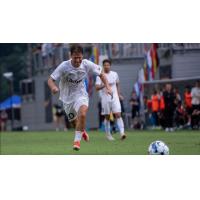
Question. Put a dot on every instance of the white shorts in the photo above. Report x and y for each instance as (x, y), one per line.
(72, 109)
(113, 106)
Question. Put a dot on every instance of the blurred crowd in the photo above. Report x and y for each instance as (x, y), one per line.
(168, 109)
(49, 54)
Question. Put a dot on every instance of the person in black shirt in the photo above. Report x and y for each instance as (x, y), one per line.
(135, 103)
(169, 99)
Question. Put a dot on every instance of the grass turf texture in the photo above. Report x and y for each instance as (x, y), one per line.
(60, 143)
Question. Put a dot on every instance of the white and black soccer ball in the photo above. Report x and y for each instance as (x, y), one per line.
(158, 148)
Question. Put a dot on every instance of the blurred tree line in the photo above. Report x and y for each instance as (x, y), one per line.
(13, 58)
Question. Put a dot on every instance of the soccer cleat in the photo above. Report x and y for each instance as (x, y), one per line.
(85, 136)
(77, 145)
(110, 137)
(123, 137)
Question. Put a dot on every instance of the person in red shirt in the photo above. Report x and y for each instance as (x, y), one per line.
(155, 99)
(188, 103)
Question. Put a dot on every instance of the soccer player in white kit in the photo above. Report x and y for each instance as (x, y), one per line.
(73, 94)
(110, 104)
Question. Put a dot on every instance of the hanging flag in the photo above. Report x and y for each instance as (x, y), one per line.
(96, 54)
(152, 61)
(149, 64)
(137, 88)
(141, 77)
(154, 57)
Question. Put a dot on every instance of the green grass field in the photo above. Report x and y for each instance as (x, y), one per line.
(60, 143)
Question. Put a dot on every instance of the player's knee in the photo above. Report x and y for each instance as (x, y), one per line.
(82, 114)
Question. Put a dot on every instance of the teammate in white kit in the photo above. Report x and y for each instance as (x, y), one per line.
(73, 94)
(110, 104)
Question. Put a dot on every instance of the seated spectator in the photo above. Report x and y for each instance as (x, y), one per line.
(180, 116)
(195, 119)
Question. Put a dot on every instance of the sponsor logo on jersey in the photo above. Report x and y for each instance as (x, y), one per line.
(73, 81)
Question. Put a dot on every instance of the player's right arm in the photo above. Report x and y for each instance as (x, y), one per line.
(55, 76)
(52, 85)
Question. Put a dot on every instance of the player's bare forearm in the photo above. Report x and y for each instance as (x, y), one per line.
(105, 82)
(52, 85)
(99, 87)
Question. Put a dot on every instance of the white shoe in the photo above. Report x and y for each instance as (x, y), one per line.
(171, 130)
(110, 137)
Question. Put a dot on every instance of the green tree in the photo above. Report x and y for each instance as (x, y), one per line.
(13, 58)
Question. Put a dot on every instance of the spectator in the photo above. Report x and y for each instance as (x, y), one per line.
(146, 111)
(121, 99)
(169, 99)
(177, 96)
(161, 115)
(3, 120)
(195, 93)
(188, 103)
(155, 99)
(47, 53)
(180, 116)
(134, 101)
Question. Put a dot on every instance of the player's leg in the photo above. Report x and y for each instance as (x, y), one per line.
(107, 127)
(106, 110)
(81, 108)
(116, 108)
(120, 124)
(81, 118)
(72, 117)
(80, 126)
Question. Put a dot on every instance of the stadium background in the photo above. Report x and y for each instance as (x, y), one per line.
(177, 63)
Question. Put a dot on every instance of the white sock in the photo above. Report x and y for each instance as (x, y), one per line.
(120, 125)
(78, 136)
(107, 126)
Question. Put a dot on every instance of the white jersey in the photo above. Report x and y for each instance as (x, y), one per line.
(113, 79)
(72, 79)
(195, 93)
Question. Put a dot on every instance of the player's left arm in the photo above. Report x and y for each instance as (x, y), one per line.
(97, 70)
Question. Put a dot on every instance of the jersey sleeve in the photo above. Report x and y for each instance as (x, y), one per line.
(117, 78)
(98, 81)
(57, 73)
(95, 69)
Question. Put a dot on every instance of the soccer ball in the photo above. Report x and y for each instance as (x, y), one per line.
(158, 148)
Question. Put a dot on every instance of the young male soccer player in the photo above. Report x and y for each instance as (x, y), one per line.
(72, 74)
(110, 104)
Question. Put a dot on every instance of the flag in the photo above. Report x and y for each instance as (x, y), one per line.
(149, 66)
(96, 54)
(145, 68)
(154, 58)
